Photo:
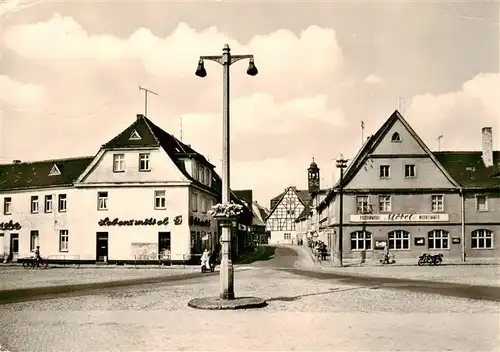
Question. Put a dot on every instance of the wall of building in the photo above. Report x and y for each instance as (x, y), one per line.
(48, 224)
(427, 174)
(162, 168)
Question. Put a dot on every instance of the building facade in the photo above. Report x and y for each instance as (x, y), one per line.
(290, 205)
(145, 196)
(397, 192)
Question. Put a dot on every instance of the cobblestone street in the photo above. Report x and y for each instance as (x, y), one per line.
(302, 314)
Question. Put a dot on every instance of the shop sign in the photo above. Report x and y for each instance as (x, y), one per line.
(455, 240)
(11, 225)
(193, 221)
(419, 241)
(145, 222)
(400, 217)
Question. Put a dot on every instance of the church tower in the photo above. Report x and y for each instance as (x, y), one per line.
(313, 178)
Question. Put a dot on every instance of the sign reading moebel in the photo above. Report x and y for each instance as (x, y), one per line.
(400, 217)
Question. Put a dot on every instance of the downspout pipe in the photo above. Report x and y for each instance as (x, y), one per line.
(462, 223)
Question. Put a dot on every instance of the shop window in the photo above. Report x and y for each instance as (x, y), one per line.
(361, 240)
(438, 239)
(482, 239)
(399, 239)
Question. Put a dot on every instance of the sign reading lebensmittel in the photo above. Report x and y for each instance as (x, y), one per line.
(400, 217)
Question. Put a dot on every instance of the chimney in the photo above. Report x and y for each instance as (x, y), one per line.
(17, 161)
(139, 116)
(487, 146)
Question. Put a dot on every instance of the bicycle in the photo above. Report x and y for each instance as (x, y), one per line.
(32, 263)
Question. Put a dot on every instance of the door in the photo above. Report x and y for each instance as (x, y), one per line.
(2, 246)
(164, 245)
(14, 246)
(102, 247)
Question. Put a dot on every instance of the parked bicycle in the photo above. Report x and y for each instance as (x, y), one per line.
(33, 263)
(427, 258)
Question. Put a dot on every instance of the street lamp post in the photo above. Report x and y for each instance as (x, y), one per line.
(226, 60)
(341, 164)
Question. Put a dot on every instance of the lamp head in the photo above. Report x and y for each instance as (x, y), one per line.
(200, 70)
(252, 70)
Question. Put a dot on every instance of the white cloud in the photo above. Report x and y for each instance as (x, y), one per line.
(459, 115)
(17, 95)
(373, 79)
(296, 107)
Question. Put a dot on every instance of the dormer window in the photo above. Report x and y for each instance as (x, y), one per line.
(396, 138)
(54, 171)
(135, 136)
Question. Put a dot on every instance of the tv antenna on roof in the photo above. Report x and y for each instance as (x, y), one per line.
(439, 142)
(146, 91)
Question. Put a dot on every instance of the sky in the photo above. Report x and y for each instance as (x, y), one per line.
(70, 71)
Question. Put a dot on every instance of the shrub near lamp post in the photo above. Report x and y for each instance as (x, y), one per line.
(226, 212)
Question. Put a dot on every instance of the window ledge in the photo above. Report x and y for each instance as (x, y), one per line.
(483, 249)
(144, 170)
(483, 211)
(161, 208)
(118, 171)
(63, 251)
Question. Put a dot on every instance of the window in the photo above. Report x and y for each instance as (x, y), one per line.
(202, 174)
(363, 205)
(196, 171)
(144, 164)
(48, 203)
(410, 171)
(437, 202)
(102, 200)
(203, 204)
(482, 239)
(34, 204)
(63, 240)
(361, 240)
(287, 236)
(118, 162)
(384, 171)
(395, 137)
(207, 176)
(62, 203)
(439, 239)
(399, 239)
(384, 204)
(33, 240)
(194, 202)
(481, 203)
(160, 200)
(7, 205)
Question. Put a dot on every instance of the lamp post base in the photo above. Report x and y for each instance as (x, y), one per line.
(226, 279)
(216, 303)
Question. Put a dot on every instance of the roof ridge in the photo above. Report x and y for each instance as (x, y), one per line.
(50, 160)
(147, 122)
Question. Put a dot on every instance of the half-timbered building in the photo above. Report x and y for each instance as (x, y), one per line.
(287, 207)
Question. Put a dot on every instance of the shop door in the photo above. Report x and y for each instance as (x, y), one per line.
(14, 246)
(164, 245)
(2, 246)
(102, 246)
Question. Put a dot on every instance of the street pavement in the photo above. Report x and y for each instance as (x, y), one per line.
(303, 313)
